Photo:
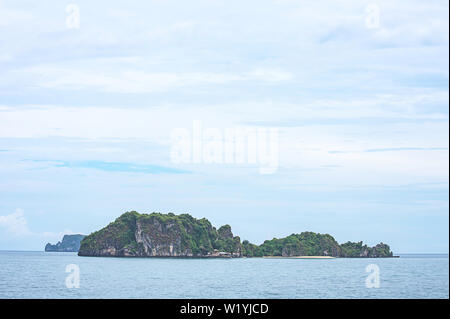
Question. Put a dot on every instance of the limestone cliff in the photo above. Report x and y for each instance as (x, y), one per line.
(160, 235)
(314, 244)
(69, 243)
(170, 235)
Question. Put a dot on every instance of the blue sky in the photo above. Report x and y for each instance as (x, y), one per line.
(86, 116)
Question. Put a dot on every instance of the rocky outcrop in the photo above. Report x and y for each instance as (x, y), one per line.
(170, 235)
(314, 244)
(304, 244)
(69, 243)
(355, 250)
(161, 235)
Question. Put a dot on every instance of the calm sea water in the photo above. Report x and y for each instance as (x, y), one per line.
(43, 275)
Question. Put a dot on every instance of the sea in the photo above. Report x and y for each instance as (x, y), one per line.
(32, 274)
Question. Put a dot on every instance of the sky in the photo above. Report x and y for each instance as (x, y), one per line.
(355, 95)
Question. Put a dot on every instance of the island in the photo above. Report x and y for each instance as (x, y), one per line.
(69, 243)
(169, 235)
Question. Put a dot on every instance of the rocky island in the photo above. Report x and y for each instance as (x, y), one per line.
(69, 243)
(169, 235)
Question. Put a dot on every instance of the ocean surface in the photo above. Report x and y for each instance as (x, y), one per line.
(43, 275)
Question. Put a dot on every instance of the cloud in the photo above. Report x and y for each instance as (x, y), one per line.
(5, 57)
(156, 121)
(395, 149)
(270, 75)
(15, 223)
(117, 80)
(13, 17)
(118, 167)
(391, 149)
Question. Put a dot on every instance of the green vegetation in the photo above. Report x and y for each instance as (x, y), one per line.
(161, 235)
(304, 244)
(156, 234)
(251, 250)
(350, 249)
(226, 241)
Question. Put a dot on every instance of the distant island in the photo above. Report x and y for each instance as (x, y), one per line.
(69, 243)
(169, 235)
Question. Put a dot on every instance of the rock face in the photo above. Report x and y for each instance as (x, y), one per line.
(355, 250)
(313, 244)
(161, 235)
(169, 235)
(69, 243)
(304, 244)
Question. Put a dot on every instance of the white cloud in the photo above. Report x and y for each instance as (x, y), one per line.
(156, 122)
(15, 223)
(5, 57)
(9, 17)
(133, 81)
(309, 133)
(270, 75)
